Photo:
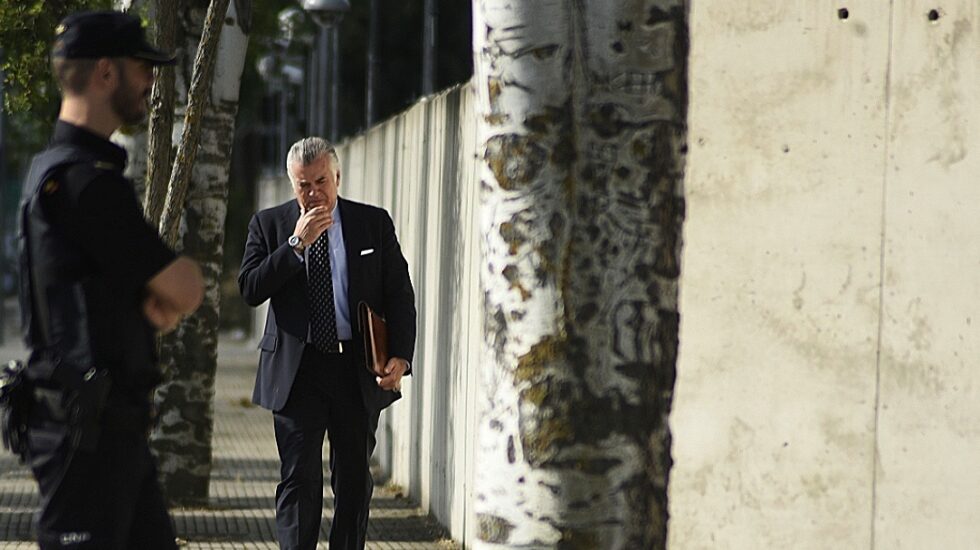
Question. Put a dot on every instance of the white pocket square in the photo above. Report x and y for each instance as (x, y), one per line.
(366, 251)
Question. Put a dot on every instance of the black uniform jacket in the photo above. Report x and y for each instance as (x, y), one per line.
(98, 246)
(377, 274)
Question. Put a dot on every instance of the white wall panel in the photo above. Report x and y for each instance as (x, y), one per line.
(928, 490)
(774, 406)
(420, 166)
(832, 176)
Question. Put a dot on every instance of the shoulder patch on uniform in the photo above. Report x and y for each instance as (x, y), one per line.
(75, 178)
(51, 187)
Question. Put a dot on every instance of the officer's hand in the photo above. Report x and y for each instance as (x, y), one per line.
(312, 223)
(395, 369)
(160, 314)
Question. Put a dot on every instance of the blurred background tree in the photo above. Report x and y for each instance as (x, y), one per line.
(30, 94)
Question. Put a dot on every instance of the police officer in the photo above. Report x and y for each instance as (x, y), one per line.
(97, 284)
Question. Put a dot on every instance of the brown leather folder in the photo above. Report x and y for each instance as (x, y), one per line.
(375, 332)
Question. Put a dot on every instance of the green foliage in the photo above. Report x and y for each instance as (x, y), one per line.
(26, 32)
(30, 94)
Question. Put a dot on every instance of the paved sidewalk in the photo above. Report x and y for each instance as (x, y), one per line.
(240, 514)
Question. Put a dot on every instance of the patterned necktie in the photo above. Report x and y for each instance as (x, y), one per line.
(323, 320)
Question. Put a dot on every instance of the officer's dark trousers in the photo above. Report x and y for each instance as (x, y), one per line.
(107, 499)
(325, 399)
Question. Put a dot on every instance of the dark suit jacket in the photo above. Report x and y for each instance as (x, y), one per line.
(271, 271)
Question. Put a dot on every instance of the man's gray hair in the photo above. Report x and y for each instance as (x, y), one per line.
(305, 152)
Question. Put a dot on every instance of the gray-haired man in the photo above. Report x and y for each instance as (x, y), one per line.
(315, 259)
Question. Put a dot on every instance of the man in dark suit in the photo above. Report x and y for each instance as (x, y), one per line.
(315, 259)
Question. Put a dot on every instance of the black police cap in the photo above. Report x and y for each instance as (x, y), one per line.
(95, 34)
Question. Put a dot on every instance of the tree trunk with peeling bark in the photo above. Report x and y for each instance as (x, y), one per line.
(582, 120)
(188, 356)
(182, 437)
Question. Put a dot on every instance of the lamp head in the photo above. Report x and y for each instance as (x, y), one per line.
(267, 67)
(291, 22)
(326, 13)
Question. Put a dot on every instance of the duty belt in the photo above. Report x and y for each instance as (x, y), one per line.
(50, 405)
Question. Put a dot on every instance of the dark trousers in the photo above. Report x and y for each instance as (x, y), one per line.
(324, 399)
(108, 498)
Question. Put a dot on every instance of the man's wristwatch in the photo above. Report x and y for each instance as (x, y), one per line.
(297, 243)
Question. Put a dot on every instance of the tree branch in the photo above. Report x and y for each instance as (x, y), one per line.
(161, 117)
(196, 103)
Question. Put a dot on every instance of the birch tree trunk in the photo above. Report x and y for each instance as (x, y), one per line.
(182, 438)
(582, 120)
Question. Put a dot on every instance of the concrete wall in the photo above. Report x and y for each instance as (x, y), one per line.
(828, 392)
(421, 167)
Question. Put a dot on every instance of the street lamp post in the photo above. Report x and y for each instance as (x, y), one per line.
(3, 205)
(321, 103)
(429, 47)
(283, 115)
(373, 64)
(312, 85)
(327, 14)
(293, 70)
(285, 77)
(268, 68)
(334, 84)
